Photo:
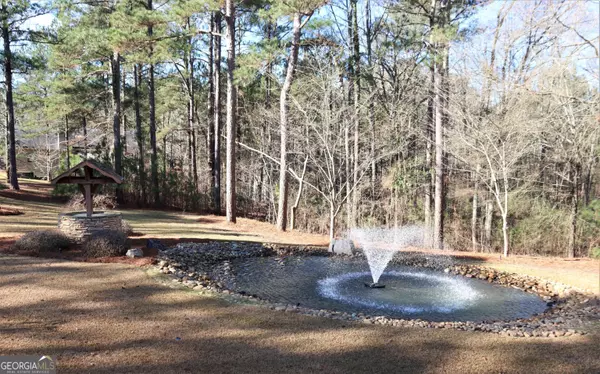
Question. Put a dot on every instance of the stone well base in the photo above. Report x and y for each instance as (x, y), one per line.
(78, 226)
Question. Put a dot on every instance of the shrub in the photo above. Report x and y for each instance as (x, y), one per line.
(126, 228)
(101, 202)
(42, 241)
(106, 243)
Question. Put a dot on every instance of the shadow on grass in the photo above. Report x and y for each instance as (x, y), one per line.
(107, 318)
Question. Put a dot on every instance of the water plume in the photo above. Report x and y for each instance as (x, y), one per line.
(380, 244)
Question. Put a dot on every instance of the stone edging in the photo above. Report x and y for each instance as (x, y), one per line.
(569, 309)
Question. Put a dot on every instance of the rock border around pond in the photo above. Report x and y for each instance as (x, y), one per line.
(569, 309)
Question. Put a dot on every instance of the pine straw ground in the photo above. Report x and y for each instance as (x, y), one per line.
(116, 318)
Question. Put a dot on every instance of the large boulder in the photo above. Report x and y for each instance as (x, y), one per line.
(342, 246)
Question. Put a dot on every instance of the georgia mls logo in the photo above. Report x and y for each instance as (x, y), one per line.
(27, 365)
(46, 363)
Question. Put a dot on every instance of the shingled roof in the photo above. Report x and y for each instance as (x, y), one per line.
(107, 175)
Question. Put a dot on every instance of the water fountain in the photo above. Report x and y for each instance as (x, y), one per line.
(338, 282)
(379, 246)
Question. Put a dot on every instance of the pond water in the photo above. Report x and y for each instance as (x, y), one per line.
(336, 283)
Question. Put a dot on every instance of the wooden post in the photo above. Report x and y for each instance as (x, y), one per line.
(89, 206)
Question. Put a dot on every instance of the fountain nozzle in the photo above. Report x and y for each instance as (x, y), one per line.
(374, 285)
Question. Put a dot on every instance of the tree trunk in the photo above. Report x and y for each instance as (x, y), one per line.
(438, 213)
(587, 182)
(348, 158)
(48, 159)
(487, 226)
(574, 210)
(395, 206)
(6, 143)
(216, 182)
(505, 239)
(371, 115)
(152, 120)
(474, 213)
(356, 102)
(123, 115)
(137, 72)
(429, 134)
(283, 115)
(115, 66)
(331, 221)
(440, 101)
(10, 107)
(430, 180)
(211, 109)
(300, 187)
(85, 139)
(67, 144)
(192, 113)
(231, 113)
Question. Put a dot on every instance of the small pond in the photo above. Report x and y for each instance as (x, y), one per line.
(336, 283)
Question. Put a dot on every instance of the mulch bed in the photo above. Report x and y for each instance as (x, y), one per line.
(75, 253)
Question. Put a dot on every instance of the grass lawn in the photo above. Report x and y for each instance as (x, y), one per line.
(41, 213)
(115, 318)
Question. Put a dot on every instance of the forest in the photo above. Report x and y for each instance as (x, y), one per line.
(478, 120)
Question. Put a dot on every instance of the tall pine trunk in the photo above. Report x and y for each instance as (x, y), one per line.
(210, 108)
(440, 102)
(429, 137)
(152, 120)
(67, 142)
(356, 106)
(192, 112)
(283, 123)
(371, 113)
(438, 211)
(123, 115)
(216, 175)
(10, 107)
(85, 138)
(231, 113)
(6, 142)
(115, 67)
(137, 73)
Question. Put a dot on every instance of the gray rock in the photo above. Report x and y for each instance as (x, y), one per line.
(135, 252)
(342, 246)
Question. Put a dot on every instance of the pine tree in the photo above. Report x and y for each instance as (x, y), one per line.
(13, 15)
